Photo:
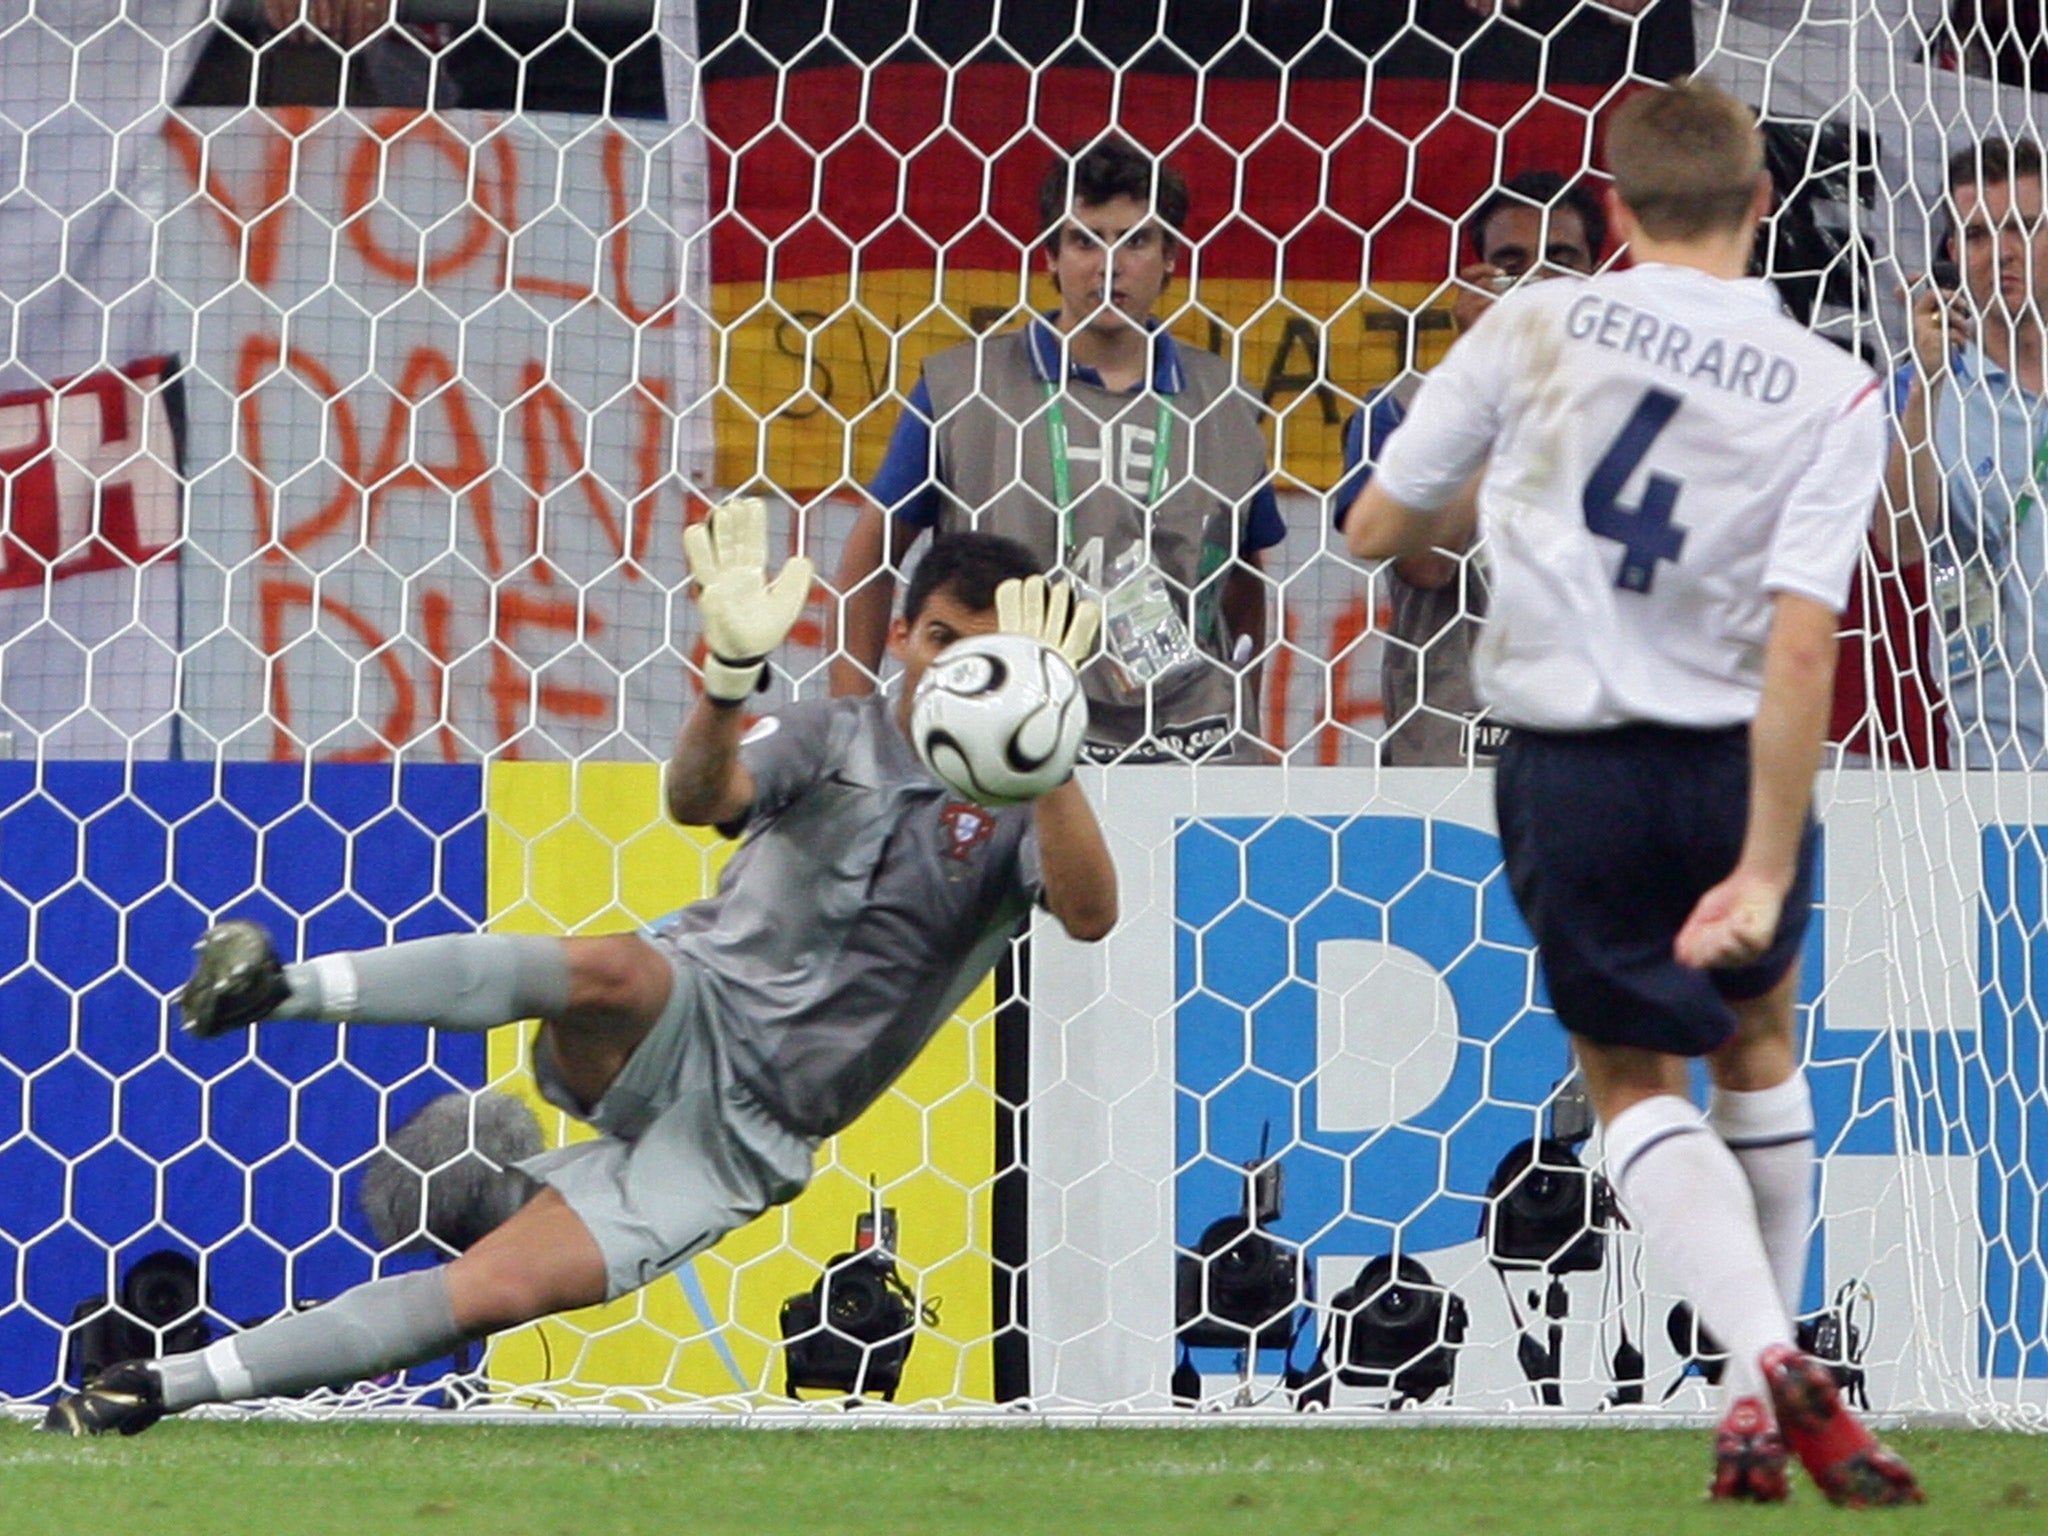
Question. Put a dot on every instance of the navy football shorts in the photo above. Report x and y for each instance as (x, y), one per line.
(1611, 837)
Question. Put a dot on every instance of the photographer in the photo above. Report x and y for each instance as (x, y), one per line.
(1966, 459)
(1534, 225)
(1114, 454)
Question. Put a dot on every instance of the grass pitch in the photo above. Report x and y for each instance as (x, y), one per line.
(275, 1479)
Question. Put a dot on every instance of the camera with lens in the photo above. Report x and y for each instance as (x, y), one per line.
(1544, 1210)
(1240, 1287)
(158, 1310)
(852, 1331)
(1833, 1337)
(1395, 1326)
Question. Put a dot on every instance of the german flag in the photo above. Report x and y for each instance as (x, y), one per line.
(875, 170)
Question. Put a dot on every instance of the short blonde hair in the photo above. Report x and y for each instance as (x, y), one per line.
(1685, 159)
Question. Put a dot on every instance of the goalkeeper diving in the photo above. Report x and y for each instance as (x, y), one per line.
(715, 1052)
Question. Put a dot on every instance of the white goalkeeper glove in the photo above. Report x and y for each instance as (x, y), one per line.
(1048, 613)
(745, 615)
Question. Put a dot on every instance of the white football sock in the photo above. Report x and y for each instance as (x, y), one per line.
(461, 981)
(376, 1327)
(1687, 1195)
(1770, 1131)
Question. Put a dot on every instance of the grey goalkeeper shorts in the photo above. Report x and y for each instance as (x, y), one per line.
(688, 1153)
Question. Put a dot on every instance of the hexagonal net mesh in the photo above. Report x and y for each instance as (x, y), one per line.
(357, 388)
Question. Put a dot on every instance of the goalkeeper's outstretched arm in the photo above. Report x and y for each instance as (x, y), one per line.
(705, 783)
(745, 617)
(1080, 878)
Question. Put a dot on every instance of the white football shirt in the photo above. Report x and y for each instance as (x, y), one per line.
(1664, 451)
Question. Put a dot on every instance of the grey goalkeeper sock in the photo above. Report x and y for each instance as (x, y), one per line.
(364, 1332)
(471, 981)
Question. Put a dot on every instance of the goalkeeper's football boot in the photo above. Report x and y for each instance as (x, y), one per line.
(1846, 1461)
(236, 980)
(122, 1399)
(1749, 1456)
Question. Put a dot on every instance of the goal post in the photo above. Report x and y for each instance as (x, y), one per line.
(348, 429)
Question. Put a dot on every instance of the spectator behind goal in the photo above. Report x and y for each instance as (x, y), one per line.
(1130, 463)
(1963, 479)
(1535, 225)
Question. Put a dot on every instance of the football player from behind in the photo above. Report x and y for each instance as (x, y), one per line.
(1678, 483)
(716, 1052)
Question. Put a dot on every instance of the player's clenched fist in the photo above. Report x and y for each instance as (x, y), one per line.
(745, 615)
(1733, 923)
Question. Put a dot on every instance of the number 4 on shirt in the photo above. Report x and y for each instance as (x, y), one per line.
(1645, 532)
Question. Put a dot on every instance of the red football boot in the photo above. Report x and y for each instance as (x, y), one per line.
(1749, 1456)
(1848, 1463)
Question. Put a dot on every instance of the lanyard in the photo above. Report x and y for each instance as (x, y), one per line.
(2025, 504)
(1062, 471)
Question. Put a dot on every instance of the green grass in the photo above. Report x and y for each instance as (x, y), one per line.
(273, 1479)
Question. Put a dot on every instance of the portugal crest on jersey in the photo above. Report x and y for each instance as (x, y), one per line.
(968, 826)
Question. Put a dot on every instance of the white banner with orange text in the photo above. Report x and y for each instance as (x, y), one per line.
(447, 389)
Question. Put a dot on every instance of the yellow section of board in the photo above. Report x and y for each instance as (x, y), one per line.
(585, 849)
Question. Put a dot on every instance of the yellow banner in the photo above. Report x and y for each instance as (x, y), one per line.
(587, 850)
(815, 372)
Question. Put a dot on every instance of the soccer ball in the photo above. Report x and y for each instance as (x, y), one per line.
(999, 718)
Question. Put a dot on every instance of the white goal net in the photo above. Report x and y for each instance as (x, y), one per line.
(354, 394)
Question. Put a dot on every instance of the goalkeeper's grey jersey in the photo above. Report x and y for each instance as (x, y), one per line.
(864, 904)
